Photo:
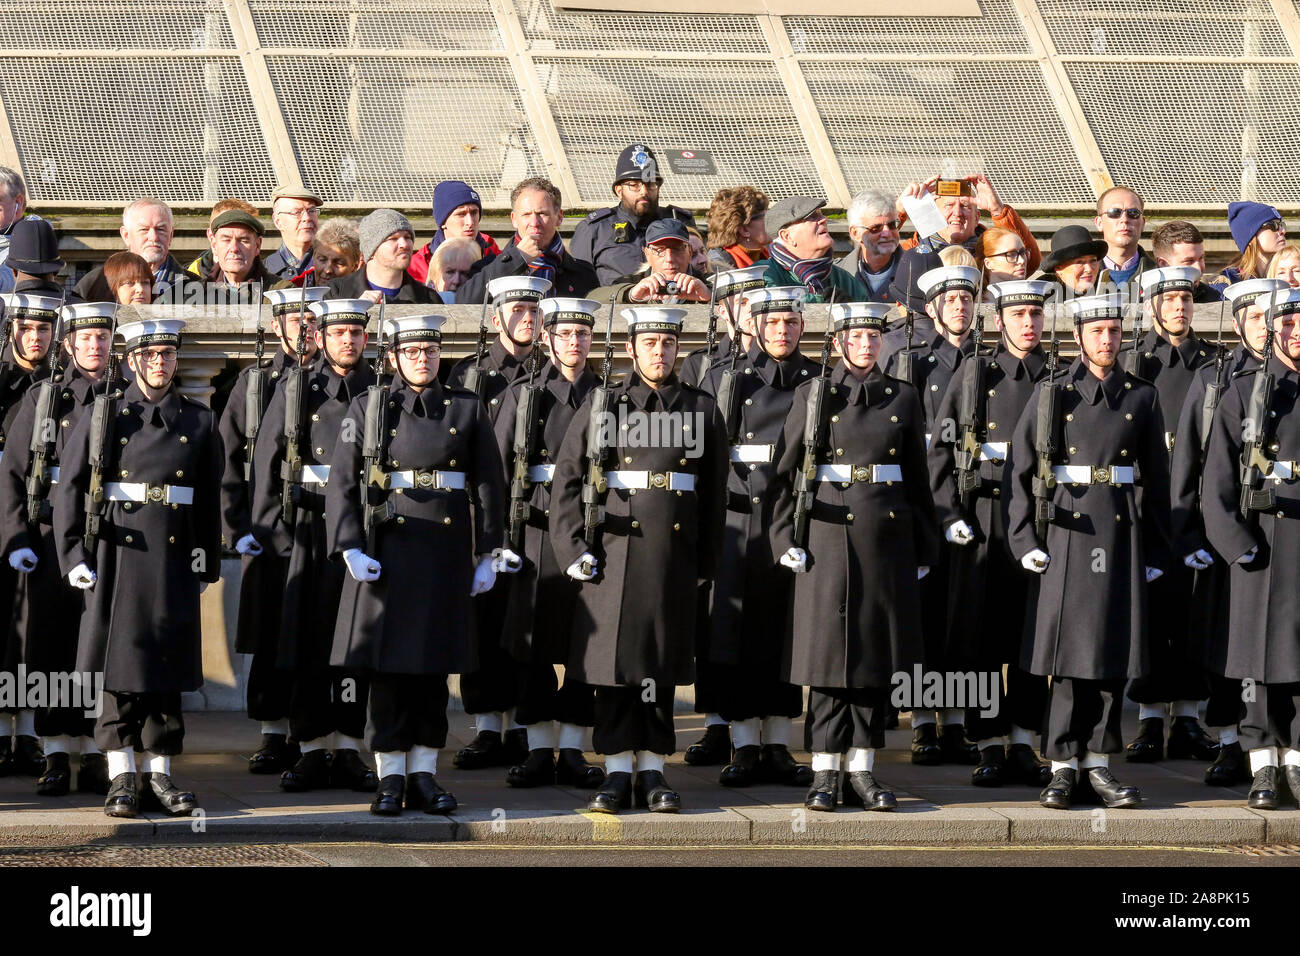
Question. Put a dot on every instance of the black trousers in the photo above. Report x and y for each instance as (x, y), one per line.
(709, 679)
(407, 710)
(840, 718)
(1272, 718)
(1176, 672)
(1083, 716)
(1021, 703)
(743, 694)
(493, 686)
(542, 697)
(149, 722)
(624, 721)
(1224, 708)
(58, 721)
(326, 700)
(270, 689)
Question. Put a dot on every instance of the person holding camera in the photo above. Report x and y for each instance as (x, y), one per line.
(666, 277)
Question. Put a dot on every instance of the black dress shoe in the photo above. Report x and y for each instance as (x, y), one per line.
(1023, 766)
(1111, 791)
(161, 794)
(56, 781)
(925, 746)
(1264, 789)
(423, 793)
(311, 772)
(614, 795)
(653, 793)
(824, 791)
(743, 769)
(871, 794)
(274, 756)
(572, 770)
(1149, 745)
(711, 750)
(955, 747)
(349, 772)
(777, 765)
(1292, 777)
(29, 758)
(1229, 767)
(1059, 790)
(1188, 739)
(537, 771)
(992, 767)
(515, 745)
(92, 775)
(388, 797)
(485, 750)
(123, 799)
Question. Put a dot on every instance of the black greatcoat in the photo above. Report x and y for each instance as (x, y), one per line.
(752, 593)
(261, 577)
(500, 370)
(416, 618)
(697, 363)
(141, 626)
(856, 611)
(983, 634)
(636, 620)
(1090, 623)
(1263, 639)
(935, 361)
(539, 609)
(313, 582)
(14, 382)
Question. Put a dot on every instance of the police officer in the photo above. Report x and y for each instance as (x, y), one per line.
(611, 239)
(1168, 357)
(48, 613)
(1258, 536)
(987, 590)
(489, 691)
(540, 608)
(157, 463)
(662, 460)
(1097, 553)
(262, 572)
(435, 488)
(870, 536)
(729, 307)
(327, 706)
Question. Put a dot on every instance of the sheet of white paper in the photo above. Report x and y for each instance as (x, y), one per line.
(925, 215)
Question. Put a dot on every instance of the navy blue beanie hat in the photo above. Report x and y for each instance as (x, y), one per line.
(1246, 219)
(448, 195)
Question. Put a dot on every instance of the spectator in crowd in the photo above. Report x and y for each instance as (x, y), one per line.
(956, 256)
(337, 251)
(1074, 262)
(1001, 255)
(204, 263)
(128, 279)
(457, 210)
(699, 254)
(236, 242)
(1259, 232)
(666, 278)
(451, 266)
(873, 227)
(612, 239)
(738, 228)
(1285, 265)
(800, 253)
(13, 204)
(34, 258)
(387, 241)
(1180, 243)
(1121, 217)
(147, 230)
(295, 212)
(536, 248)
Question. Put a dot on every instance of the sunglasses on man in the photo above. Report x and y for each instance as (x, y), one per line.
(1130, 213)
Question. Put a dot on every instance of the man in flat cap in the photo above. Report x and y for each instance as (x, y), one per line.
(801, 253)
(295, 211)
(611, 239)
(236, 240)
(387, 241)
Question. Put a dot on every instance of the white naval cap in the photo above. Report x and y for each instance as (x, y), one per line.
(1280, 302)
(1242, 295)
(738, 281)
(24, 305)
(1168, 279)
(1094, 308)
(558, 311)
(1015, 292)
(341, 311)
(517, 289)
(779, 298)
(653, 319)
(148, 332)
(88, 315)
(290, 300)
(415, 328)
(860, 315)
(936, 282)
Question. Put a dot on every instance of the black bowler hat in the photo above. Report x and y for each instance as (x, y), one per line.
(1072, 242)
(33, 248)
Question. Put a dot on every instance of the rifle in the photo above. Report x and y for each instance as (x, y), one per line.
(814, 426)
(710, 337)
(521, 486)
(729, 394)
(1047, 441)
(474, 380)
(294, 395)
(903, 367)
(373, 446)
(1214, 390)
(1256, 495)
(103, 414)
(1131, 359)
(594, 485)
(45, 431)
(967, 450)
(253, 404)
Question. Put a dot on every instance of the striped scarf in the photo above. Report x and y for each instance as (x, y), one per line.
(548, 263)
(812, 274)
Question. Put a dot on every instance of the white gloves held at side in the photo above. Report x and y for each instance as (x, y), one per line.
(361, 566)
(584, 569)
(959, 532)
(796, 559)
(1035, 561)
(82, 578)
(1199, 560)
(485, 575)
(24, 560)
(248, 545)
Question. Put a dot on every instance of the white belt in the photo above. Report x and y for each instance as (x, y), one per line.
(1284, 471)
(876, 474)
(642, 480)
(141, 492)
(315, 474)
(995, 451)
(53, 472)
(454, 480)
(751, 454)
(1094, 475)
(539, 474)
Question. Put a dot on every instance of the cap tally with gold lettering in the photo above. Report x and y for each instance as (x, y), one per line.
(937, 282)
(284, 301)
(1095, 308)
(139, 335)
(1016, 292)
(645, 319)
(505, 289)
(779, 298)
(1168, 279)
(846, 316)
(24, 305)
(738, 281)
(340, 312)
(416, 328)
(88, 315)
(576, 311)
(1242, 295)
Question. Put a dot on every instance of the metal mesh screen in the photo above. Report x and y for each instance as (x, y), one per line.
(998, 31)
(114, 25)
(738, 111)
(1162, 144)
(388, 129)
(180, 128)
(950, 118)
(548, 29)
(1164, 28)
(376, 24)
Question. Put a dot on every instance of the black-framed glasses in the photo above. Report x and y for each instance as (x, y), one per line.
(1131, 213)
(1274, 225)
(412, 353)
(1012, 255)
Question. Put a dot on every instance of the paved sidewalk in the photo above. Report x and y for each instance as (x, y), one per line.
(937, 806)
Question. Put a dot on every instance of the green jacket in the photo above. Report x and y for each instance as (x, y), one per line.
(847, 287)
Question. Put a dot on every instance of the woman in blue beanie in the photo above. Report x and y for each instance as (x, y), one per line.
(1259, 232)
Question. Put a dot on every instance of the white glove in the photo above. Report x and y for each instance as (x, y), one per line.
(505, 560)
(959, 532)
(82, 578)
(24, 560)
(1199, 560)
(796, 559)
(361, 566)
(1035, 561)
(1153, 573)
(248, 545)
(1249, 556)
(576, 571)
(485, 575)
(921, 572)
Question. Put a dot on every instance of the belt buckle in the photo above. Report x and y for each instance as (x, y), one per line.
(658, 479)
(424, 479)
(155, 493)
(1101, 475)
(861, 473)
